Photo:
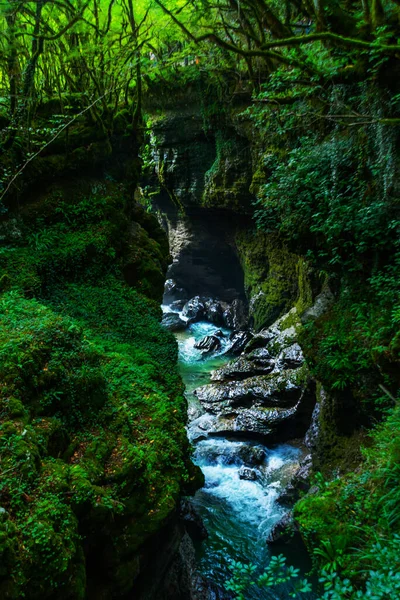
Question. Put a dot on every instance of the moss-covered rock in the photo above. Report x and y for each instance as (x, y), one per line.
(275, 278)
(92, 438)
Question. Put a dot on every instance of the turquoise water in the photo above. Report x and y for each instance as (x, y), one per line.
(238, 514)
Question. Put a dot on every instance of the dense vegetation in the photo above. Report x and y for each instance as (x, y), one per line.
(85, 407)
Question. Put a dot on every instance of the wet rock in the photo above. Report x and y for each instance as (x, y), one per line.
(172, 292)
(298, 485)
(219, 333)
(247, 474)
(214, 312)
(272, 408)
(236, 315)
(242, 368)
(288, 496)
(260, 354)
(238, 341)
(200, 428)
(291, 357)
(283, 531)
(277, 337)
(193, 522)
(281, 390)
(270, 424)
(210, 343)
(260, 340)
(252, 455)
(173, 322)
(178, 304)
(302, 476)
(195, 410)
(194, 309)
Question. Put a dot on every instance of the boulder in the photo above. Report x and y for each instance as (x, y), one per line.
(236, 315)
(282, 390)
(247, 474)
(283, 531)
(238, 341)
(172, 292)
(290, 357)
(194, 309)
(242, 368)
(193, 522)
(210, 343)
(322, 304)
(299, 483)
(214, 312)
(219, 333)
(178, 304)
(252, 455)
(173, 322)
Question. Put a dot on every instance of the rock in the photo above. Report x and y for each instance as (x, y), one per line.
(238, 341)
(260, 354)
(195, 410)
(280, 390)
(193, 522)
(260, 340)
(242, 368)
(247, 474)
(178, 304)
(172, 292)
(299, 483)
(214, 312)
(291, 357)
(173, 322)
(283, 531)
(210, 343)
(275, 407)
(194, 309)
(236, 315)
(301, 478)
(312, 435)
(200, 428)
(322, 304)
(278, 335)
(219, 333)
(288, 496)
(252, 455)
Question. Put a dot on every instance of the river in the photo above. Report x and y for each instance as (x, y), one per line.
(238, 513)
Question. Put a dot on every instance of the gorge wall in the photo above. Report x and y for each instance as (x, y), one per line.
(92, 439)
(203, 179)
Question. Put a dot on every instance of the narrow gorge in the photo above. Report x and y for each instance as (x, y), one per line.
(199, 300)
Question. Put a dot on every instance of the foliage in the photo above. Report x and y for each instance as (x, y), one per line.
(91, 405)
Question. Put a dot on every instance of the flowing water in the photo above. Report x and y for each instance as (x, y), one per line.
(238, 514)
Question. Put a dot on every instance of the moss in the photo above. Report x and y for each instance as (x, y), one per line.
(270, 276)
(92, 438)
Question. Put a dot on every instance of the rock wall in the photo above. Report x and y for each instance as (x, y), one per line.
(202, 186)
(94, 450)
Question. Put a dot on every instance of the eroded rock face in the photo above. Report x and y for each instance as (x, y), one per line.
(283, 531)
(210, 343)
(236, 315)
(239, 340)
(194, 309)
(266, 393)
(173, 322)
(193, 522)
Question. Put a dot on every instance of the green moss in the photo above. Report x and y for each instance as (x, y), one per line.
(360, 507)
(92, 434)
(274, 277)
